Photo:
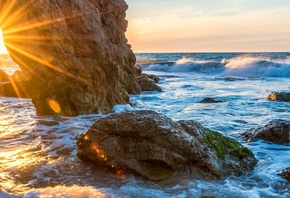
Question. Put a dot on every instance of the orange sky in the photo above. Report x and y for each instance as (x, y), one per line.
(2, 47)
(209, 26)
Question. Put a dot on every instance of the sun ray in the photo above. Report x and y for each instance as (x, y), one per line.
(15, 15)
(47, 64)
(24, 27)
(6, 10)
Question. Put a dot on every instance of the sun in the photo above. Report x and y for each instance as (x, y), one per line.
(3, 49)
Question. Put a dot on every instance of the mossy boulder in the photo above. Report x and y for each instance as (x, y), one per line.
(157, 148)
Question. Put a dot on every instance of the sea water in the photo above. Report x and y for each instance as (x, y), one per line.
(38, 154)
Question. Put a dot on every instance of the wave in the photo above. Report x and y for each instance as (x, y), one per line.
(246, 66)
(185, 64)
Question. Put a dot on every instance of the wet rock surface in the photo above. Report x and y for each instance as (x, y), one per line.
(78, 57)
(285, 174)
(211, 100)
(279, 96)
(275, 131)
(148, 82)
(154, 146)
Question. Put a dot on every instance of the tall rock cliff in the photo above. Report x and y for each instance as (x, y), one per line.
(75, 52)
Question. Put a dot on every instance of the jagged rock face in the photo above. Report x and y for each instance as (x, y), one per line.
(74, 52)
(275, 131)
(157, 148)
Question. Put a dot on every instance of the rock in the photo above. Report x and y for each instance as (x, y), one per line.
(275, 131)
(17, 89)
(153, 77)
(285, 174)
(78, 55)
(48, 123)
(157, 148)
(147, 83)
(19, 76)
(137, 70)
(3, 76)
(279, 96)
(210, 100)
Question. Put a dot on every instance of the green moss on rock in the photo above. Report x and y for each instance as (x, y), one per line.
(223, 145)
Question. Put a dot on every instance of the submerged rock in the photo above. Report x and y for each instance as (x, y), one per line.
(157, 148)
(276, 131)
(78, 55)
(279, 96)
(285, 174)
(210, 100)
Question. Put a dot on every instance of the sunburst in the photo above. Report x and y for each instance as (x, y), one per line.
(13, 30)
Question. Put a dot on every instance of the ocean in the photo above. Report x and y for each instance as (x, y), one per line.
(38, 153)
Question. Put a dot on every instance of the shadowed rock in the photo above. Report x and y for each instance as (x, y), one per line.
(285, 174)
(276, 131)
(78, 55)
(157, 148)
(17, 89)
(211, 100)
(3, 76)
(148, 82)
(19, 76)
(279, 96)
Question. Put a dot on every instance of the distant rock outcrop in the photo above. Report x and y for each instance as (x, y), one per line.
(147, 82)
(74, 52)
(275, 131)
(3, 76)
(279, 96)
(157, 148)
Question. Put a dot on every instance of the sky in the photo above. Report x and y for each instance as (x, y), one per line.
(2, 46)
(209, 25)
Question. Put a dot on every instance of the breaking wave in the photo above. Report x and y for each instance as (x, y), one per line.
(241, 66)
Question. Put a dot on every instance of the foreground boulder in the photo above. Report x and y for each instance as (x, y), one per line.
(78, 55)
(279, 96)
(275, 131)
(156, 147)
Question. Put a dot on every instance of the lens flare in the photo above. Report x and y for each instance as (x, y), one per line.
(54, 106)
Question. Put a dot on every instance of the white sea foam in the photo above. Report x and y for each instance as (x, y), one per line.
(249, 66)
(40, 152)
(240, 66)
(122, 108)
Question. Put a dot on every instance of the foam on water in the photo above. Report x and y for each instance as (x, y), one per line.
(245, 65)
(38, 154)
